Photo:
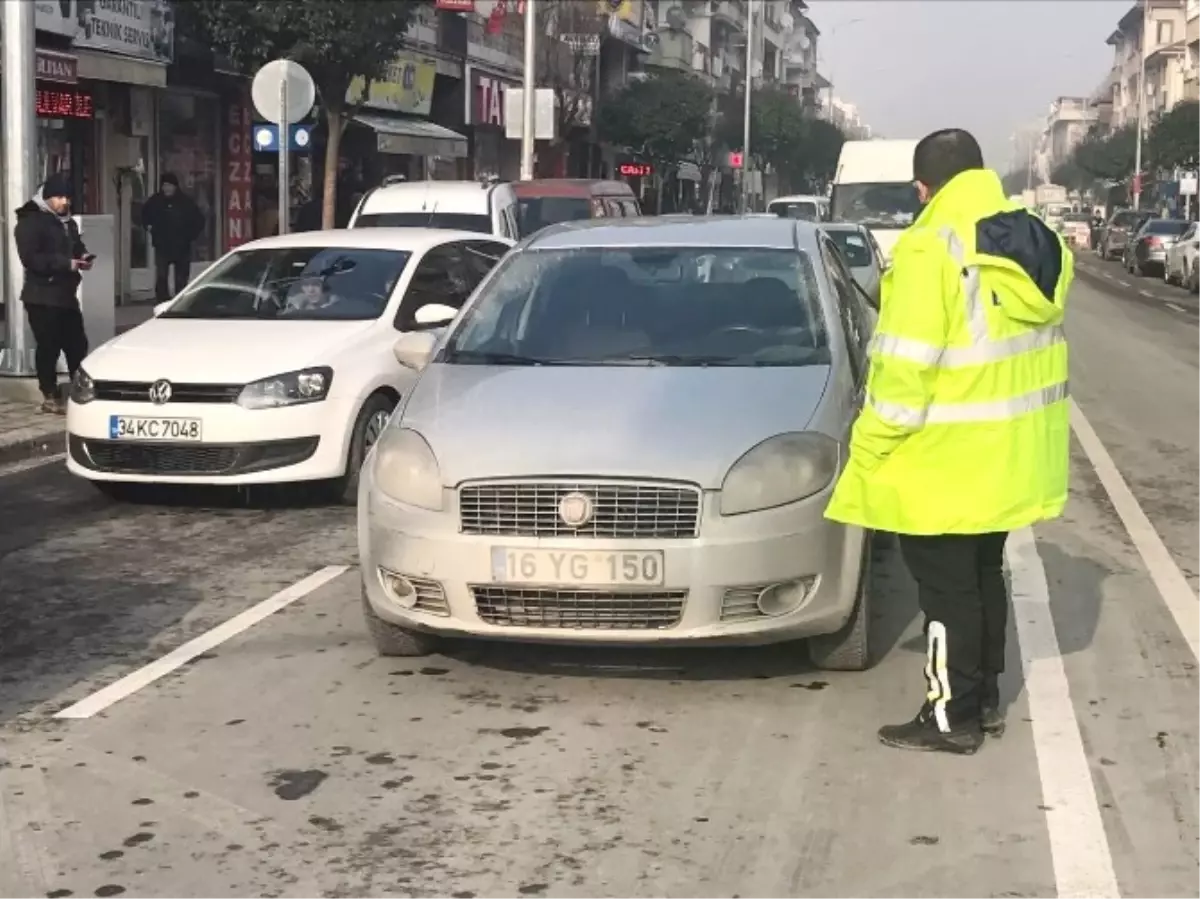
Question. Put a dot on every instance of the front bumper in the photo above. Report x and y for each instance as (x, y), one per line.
(239, 446)
(707, 594)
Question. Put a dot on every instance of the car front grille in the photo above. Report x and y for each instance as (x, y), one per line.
(741, 603)
(621, 509)
(139, 392)
(586, 610)
(126, 457)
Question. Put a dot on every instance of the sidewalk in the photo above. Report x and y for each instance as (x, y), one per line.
(26, 432)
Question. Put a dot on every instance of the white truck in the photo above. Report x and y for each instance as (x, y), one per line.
(1052, 204)
(873, 186)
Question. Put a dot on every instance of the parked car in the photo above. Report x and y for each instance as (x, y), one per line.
(862, 254)
(801, 206)
(550, 201)
(1076, 229)
(1181, 261)
(629, 436)
(275, 365)
(1121, 225)
(1147, 249)
(484, 207)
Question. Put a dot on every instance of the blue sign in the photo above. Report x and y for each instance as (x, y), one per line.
(266, 138)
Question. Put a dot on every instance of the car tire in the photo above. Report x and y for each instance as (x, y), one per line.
(372, 418)
(394, 640)
(1194, 279)
(849, 648)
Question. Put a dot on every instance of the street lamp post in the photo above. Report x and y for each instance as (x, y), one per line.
(749, 86)
(527, 94)
(1141, 114)
(20, 153)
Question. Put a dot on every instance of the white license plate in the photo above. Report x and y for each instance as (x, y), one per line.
(138, 427)
(569, 567)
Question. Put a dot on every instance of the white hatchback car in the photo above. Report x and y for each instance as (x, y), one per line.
(457, 205)
(275, 365)
(1181, 265)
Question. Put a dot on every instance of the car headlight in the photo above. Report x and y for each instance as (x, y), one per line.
(406, 469)
(780, 470)
(309, 385)
(83, 390)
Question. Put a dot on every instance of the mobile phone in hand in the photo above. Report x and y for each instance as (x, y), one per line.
(89, 258)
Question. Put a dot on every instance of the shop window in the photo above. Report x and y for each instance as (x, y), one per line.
(188, 150)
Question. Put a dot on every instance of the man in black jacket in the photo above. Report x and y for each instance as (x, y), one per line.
(174, 222)
(52, 255)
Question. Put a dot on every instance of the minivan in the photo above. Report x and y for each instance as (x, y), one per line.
(548, 201)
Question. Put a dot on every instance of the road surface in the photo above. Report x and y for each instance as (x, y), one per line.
(285, 759)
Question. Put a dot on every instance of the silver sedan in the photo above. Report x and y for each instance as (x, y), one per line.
(629, 435)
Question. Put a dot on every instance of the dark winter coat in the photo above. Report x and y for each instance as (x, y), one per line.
(47, 244)
(174, 224)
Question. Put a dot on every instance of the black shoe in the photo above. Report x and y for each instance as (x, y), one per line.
(991, 719)
(922, 734)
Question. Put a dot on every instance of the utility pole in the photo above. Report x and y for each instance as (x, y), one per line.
(746, 122)
(1141, 111)
(20, 154)
(527, 95)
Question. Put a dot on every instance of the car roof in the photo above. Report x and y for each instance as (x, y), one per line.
(421, 196)
(367, 239)
(680, 230)
(842, 226)
(797, 198)
(572, 187)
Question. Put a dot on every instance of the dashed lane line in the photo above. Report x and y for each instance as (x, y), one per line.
(1172, 586)
(1177, 307)
(148, 674)
(29, 464)
(1079, 847)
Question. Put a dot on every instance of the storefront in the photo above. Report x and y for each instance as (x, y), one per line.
(189, 147)
(66, 127)
(492, 152)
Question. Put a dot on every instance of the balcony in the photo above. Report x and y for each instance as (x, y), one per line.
(731, 13)
(675, 50)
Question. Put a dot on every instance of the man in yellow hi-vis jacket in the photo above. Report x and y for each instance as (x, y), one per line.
(964, 433)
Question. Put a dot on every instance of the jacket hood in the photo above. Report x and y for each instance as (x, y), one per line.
(1024, 264)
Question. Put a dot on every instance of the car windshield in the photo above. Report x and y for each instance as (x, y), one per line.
(450, 221)
(805, 210)
(1124, 219)
(1165, 226)
(884, 205)
(684, 306)
(296, 283)
(536, 213)
(1078, 217)
(854, 248)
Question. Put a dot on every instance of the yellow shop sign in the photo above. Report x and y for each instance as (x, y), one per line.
(406, 86)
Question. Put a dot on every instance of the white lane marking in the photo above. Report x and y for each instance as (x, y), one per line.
(1172, 586)
(1124, 283)
(1108, 275)
(1146, 293)
(29, 464)
(1176, 307)
(1078, 844)
(148, 674)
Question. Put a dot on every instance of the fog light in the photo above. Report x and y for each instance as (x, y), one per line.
(779, 599)
(399, 588)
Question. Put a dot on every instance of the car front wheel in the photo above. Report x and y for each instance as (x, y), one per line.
(849, 649)
(394, 640)
(372, 419)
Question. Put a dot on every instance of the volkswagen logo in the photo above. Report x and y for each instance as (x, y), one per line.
(576, 509)
(160, 392)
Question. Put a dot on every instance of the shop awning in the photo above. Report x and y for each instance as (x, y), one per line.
(414, 137)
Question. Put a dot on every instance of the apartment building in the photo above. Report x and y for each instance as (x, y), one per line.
(1068, 122)
(846, 116)
(1156, 31)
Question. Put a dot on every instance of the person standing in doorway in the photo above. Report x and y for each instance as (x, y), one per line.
(53, 256)
(964, 436)
(174, 222)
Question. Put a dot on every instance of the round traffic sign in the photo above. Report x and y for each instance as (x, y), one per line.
(266, 93)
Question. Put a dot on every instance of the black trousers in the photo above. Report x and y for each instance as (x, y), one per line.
(162, 263)
(57, 331)
(961, 590)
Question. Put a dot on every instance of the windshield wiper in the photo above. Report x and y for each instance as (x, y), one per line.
(477, 357)
(669, 359)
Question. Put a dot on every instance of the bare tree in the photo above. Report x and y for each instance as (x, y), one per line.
(569, 37)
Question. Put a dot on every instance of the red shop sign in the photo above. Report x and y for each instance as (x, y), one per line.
(237, 189)
(64, 105)
(456, 5)
(487, 99)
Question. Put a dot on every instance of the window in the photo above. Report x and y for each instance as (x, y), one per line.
(1166, 32)
(884, 205)
(538, 212)
(450, 221)
(680, 306)
(855, 324)
(631, 208)
(446, 275)
(805, 210)
(295, 283)
(188, 150)
(853, 246)
(614, 209)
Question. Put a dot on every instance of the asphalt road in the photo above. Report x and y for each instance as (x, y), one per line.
(290, 760)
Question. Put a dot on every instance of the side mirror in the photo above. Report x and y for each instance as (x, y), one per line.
(162, 307)
(434, 315)
(413, 350)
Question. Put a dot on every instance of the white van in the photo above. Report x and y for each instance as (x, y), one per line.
(801, 206)
(453, 205)
(873, 186)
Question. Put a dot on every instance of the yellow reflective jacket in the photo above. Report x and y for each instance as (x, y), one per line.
(965, 425)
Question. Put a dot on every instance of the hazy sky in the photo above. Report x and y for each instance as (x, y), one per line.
(990, 66)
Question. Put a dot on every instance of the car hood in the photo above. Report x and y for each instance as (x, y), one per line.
(220, 352)
(676, 423)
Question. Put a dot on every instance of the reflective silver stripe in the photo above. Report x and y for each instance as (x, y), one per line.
(996, 410)
(964, 357)
(962, 413)
(976, 313)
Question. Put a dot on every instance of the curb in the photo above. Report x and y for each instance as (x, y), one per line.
(24, 448)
